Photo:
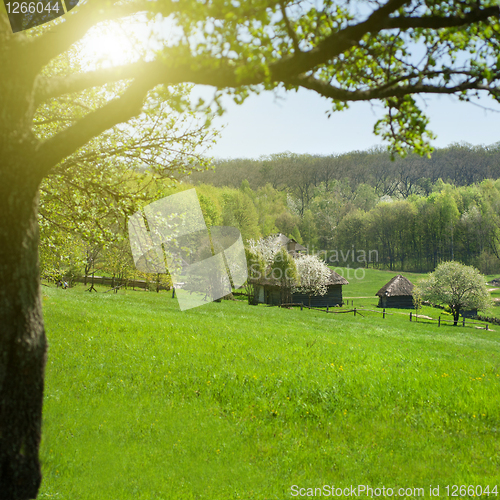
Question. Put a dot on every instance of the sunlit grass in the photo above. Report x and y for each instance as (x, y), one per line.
(495, 295)
(367, 282)
(234, 401)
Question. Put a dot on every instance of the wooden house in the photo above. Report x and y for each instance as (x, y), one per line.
(397, 293)
(269, 292)
(293, 247)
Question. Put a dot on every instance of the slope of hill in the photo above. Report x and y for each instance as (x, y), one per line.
(231, 401)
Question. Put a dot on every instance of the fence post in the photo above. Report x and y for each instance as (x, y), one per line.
(463, 322)
(326, 308)
(383, 314)
(410, 316)
(486, 326)
(301, 305)
(354, 311)
(439, 321)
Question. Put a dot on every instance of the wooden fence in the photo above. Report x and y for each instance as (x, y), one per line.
(333, 310)
(439, 320)
(413, 316)
(114, 282)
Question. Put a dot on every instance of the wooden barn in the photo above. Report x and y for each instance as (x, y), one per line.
(269, 292)
(396, 293)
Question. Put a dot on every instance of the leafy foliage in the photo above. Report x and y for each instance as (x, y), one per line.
(457, 286)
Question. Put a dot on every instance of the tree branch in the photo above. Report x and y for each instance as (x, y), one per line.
(221, 74)
(77, 22)
(336, 43)
(327, 90)
(48, 88)
(289, 28)
(196, 71)
(122, 109)
(437, 22)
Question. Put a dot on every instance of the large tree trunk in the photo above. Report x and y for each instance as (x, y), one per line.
(24, 161)
(22, 337)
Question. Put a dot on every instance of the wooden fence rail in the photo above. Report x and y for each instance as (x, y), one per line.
(329, 309)
(442, 320)
(113, 282)
(413, 316)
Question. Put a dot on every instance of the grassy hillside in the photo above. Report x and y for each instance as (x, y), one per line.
(364, 284)
(495, 294)
(230, 401)
(367, 282)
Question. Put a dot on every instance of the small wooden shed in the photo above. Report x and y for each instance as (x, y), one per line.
(269, 292)
(397, 293)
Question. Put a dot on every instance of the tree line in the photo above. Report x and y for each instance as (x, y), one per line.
(344, 226)
(459, 164)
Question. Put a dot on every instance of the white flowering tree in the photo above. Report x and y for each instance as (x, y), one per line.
(306, 274)
(454, 285)
(313, 275)
(267, 248)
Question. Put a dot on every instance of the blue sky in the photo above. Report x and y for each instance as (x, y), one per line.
(297, 122)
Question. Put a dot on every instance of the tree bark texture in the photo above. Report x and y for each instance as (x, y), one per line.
(22, 345)
(22, 334)
(24, 161)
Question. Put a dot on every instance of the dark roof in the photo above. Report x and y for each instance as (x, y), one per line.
(282, 239)
(335, 279)
(298, 246)
(398, 286)
(285, 240)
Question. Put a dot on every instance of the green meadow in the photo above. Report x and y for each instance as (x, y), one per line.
(365, 283)
(231, 401)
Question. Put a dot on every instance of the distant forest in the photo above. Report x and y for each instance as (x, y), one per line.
(406, 214)
(458, 164)
(359, 209)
